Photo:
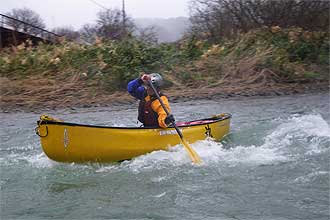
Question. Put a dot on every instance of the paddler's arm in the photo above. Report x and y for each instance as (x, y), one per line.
(157, 107)
(136, 89)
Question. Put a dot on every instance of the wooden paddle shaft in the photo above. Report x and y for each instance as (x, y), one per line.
(164, 107)
(158, 97)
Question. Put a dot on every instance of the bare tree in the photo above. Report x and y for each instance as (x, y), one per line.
(147, 34)
(28, 17)
(89, 32)
(111, 25)
(210, 20)
(68, 32)
(224, 18)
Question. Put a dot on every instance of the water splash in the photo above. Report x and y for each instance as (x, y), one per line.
(211, 153)
(40, 161)
(312, 176)
(302, 126)
(273, 150)
(307, 133)
(278, 146)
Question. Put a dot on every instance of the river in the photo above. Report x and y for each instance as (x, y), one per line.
(274, 164)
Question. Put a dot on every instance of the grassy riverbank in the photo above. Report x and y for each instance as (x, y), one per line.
(262, 62)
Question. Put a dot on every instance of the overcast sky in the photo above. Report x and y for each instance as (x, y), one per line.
(75, 13)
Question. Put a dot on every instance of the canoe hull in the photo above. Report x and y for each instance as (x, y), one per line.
(67, 142)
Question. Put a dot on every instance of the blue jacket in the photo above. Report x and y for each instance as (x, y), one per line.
(136, 89)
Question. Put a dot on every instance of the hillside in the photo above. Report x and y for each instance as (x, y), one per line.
(167, 30)
(261, 62)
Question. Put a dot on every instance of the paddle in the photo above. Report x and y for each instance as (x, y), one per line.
(193, 155)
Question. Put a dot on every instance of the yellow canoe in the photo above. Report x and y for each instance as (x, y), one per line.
(70, 142)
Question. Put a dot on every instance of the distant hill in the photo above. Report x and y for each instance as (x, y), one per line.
(167, 29)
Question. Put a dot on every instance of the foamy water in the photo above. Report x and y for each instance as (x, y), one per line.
(213, 153)
(271, 166)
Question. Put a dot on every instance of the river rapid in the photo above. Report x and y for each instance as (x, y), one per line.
(274, 164)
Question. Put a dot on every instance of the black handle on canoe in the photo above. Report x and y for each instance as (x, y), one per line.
(38, 131)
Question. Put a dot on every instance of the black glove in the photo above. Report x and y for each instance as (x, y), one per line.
(169, 119)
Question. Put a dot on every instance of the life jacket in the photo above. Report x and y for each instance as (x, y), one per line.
(147, 115)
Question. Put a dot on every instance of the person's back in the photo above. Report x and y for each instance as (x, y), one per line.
(151, 112)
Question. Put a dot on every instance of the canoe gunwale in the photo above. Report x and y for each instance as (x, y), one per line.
(214, 120)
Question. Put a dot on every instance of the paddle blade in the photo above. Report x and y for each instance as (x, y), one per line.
(192, 153)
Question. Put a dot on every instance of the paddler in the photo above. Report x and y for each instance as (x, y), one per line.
(151, 113)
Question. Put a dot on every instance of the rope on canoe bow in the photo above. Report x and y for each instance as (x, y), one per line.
(45, 118)
(48, 118)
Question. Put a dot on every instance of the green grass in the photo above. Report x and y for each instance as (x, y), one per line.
(289, 53)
